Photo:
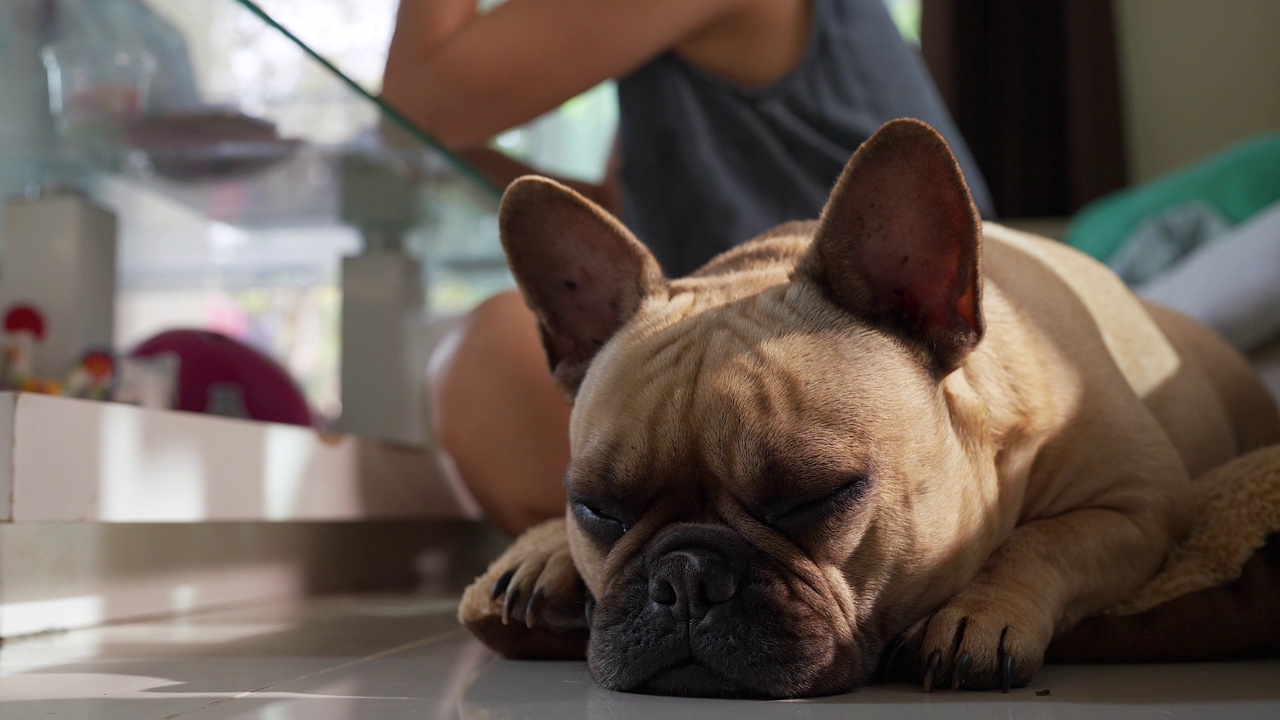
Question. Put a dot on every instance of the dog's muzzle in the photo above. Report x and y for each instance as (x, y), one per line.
(702, 612)
(694, 574)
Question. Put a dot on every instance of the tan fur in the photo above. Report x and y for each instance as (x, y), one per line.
(1040, 482)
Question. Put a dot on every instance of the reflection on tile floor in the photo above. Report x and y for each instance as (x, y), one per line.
(390, 658)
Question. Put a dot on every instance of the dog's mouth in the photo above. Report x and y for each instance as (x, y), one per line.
(692, 679)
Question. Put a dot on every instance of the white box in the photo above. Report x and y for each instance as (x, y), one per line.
(59, 255)
(383, 353)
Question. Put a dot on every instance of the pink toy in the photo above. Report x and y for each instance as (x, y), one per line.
(210, 363)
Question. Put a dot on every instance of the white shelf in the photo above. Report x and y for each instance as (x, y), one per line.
(66, 460)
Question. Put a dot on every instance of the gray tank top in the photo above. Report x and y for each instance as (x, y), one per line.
(707, 164)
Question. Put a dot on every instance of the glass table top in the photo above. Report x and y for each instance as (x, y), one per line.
(241, 165)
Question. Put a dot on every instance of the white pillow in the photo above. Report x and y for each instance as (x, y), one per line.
(1231, 284)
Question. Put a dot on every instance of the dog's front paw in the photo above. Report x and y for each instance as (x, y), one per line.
(981, 639)
(530, 603)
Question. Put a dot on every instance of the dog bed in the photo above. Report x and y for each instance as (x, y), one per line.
(1218, 595)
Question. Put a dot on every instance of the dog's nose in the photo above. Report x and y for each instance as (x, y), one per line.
(691, 581)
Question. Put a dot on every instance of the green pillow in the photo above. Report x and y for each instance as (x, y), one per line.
(1238, 182)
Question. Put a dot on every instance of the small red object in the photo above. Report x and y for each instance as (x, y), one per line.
(24, 317)
(99, 365)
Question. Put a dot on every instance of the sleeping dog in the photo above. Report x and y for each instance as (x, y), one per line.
(893, 429)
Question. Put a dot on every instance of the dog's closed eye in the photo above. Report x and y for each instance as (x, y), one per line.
(597, 523)
(801, 514)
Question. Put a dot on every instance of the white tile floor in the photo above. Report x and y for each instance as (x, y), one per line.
(389, 658)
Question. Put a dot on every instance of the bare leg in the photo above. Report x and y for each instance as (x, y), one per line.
(500, 416)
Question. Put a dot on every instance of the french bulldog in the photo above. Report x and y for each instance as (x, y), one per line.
(893, 431)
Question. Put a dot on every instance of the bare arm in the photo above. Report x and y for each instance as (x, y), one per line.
(463, 77)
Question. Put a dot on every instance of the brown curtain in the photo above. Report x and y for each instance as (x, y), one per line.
(1034, 87)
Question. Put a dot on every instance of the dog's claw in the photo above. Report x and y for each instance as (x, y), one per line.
(504, 580)
(890, 659)
(534, 607)
(509, 605)
(934, 660)
(1006, 673)
(961, 671)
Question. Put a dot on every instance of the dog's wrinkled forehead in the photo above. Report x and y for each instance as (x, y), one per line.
(739, 394)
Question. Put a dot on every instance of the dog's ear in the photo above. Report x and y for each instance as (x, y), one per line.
(581, 272)
(899, 243)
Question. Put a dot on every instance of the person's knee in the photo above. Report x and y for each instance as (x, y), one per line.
(497, 413)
